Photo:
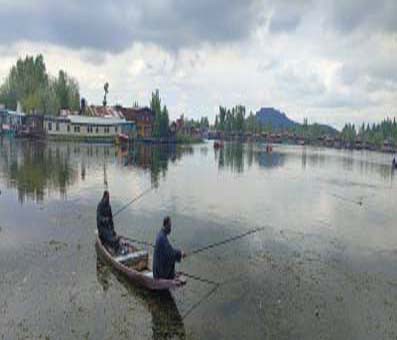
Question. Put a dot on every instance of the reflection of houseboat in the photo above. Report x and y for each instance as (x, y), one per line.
(87, 128)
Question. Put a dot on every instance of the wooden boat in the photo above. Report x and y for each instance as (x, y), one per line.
(218, 145)
(134, 265)
(122, 138)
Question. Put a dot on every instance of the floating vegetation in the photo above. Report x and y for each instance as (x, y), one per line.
(57, 245)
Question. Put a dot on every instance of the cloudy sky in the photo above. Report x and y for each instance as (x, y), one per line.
(330, 61)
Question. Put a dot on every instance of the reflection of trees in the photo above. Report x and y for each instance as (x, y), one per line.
(32, 168)
(304, 158)
(231, 156)
(234, 155)
(154, 158)
(167, 323)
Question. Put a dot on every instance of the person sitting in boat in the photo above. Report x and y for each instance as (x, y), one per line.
(165, 255)
(104, 220)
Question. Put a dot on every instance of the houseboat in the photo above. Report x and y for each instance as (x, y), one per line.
(388, 146)
(10, 122)
(87, 128)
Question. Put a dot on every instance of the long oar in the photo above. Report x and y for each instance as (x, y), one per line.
(220, 243)
(132, 201)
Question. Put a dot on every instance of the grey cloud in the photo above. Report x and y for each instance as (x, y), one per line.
(284, 24)
(347, 16)
(382, 71)
(287, 15)
(113, 26)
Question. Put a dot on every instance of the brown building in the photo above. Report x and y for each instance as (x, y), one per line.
(143, 118)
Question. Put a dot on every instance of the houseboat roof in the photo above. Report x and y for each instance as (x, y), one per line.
(95, 120)
(12, 113)
(77, 119)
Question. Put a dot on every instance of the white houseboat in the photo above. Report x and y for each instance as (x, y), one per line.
(88, 128)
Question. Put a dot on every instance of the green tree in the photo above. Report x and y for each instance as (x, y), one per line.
(161, 119)
(164, 123)
(29, 83)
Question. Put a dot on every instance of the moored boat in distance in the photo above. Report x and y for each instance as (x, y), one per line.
(218, 144)
(135, 266)
(122, 139)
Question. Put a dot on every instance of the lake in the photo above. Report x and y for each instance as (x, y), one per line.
(322, 267)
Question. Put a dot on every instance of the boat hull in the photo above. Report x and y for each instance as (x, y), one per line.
(136, 277)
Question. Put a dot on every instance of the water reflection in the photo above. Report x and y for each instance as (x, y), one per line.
(37, 168)
(238, 158)
(271, 160)
(235, 156)
(32, 168)
(231, 156)
(167, 323)
(154, 158)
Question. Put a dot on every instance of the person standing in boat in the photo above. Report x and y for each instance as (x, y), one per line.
(165, 255)
(104, 220)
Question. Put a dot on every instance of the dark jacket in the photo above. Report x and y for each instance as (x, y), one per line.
(104, 220)
(164, 257)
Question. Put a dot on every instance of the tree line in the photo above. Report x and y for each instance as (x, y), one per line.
(231, 120)
(29, 83)
(374, 134)
(235, 121)
(202, 123)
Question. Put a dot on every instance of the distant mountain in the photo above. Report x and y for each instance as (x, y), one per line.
(278, 120)
(325, 129)
(275, 118)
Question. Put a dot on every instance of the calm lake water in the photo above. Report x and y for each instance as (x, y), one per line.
(324, 266)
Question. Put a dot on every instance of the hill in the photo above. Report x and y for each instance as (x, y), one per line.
(278, 120)
(274, 118)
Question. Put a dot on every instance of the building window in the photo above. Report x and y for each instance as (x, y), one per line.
(68, 128)
(106, 129)
(49, 126)
(57, 126)
(76, 128)
(96, 129)
(115, 129)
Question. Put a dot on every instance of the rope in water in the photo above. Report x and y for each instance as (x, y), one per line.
(132, 201)
(198, 303)
(198, 278)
